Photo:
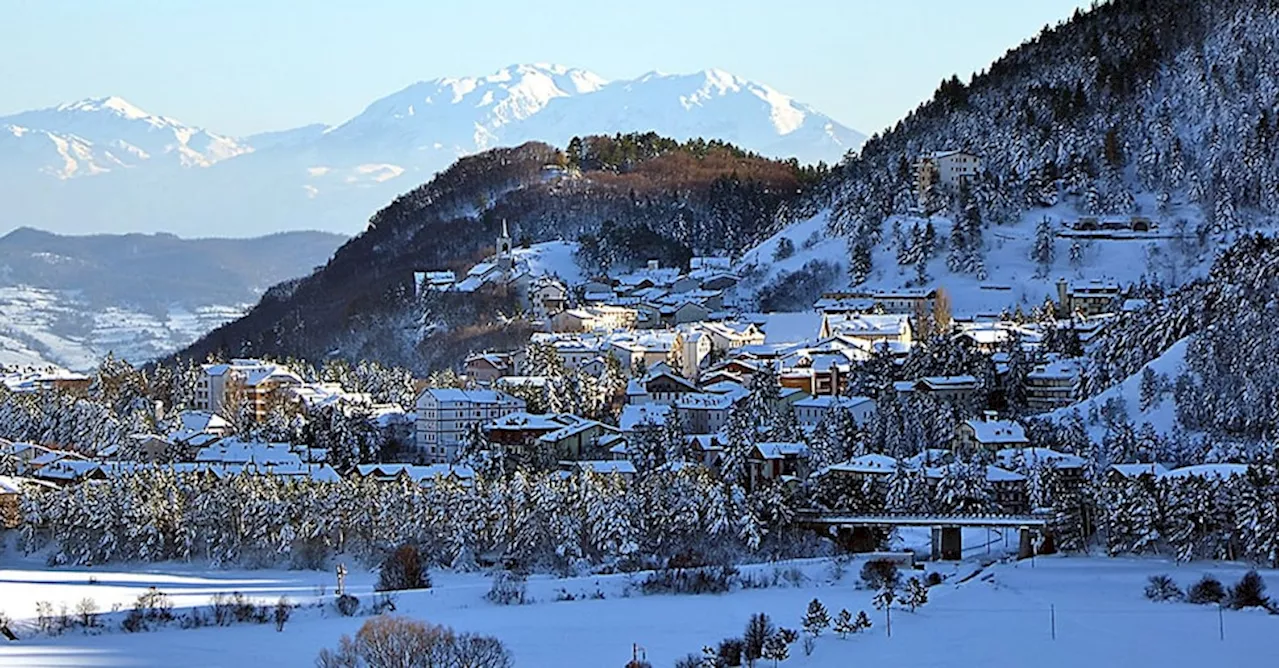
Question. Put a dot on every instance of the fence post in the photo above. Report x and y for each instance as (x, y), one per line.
(1053, 623)
(1221, 631)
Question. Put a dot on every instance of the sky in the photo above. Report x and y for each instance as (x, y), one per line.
(238, 67)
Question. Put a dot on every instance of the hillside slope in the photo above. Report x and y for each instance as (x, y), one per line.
(70, 300)
(628, 198)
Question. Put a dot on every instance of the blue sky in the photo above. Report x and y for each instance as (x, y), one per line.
(239, 67)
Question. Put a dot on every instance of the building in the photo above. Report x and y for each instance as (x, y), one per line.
(222, 387)
(659, 386)
(866, 328)
(989, 433)
(44, 379)
(729, 335)
(948, 388)
(560, 436)
(1088, 298)
(445, 415)
(785, 462)
(692, 347)
(948, 168)
(1052, 385)
(433, 281)
(546, 296)
(811, 410)
(703, 412)
(488, 367)
(601, 317)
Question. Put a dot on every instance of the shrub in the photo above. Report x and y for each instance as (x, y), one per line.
(1207, 590)
(281, 613)
(933, 579)
(403, 569)
(508, 588)
(221, 609)
(690, 661)
(1249, 592)
(729, 652)
(242, 609)
(388, 640)
(347, 605)
(1162, 588)
(880, 574)
(87, 611)
(383, 603)
(706, 580)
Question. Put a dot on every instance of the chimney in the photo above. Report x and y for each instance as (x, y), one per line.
(989, 416)
(653, 265)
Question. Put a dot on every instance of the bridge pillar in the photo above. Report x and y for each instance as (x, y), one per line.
(945, 544)
(1026, 548)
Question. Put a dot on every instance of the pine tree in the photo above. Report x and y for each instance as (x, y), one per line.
(862, 622)
(816, 619)
(776, 648)
(844, 624)
(915, 595)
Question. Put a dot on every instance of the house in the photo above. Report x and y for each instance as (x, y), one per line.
(642, 350)
(1008, 488)
(989, 434)
(1052, 385)
(871, 329)
(692, 347)
(487, 367)
(815, 372)
(444, 415)
(948, 388)
(727, 335)
(874, 467)
(706, 449)
(1088, 298)
(12, 489)
(949, 168)
(619, 467)
(685, 311)
(600, 317)
(809, 411)
(44, 379)
(433, 281)
(1069, 468)
(782, 461)
(547, 296)
(658, 386)
(156, 448)
(637, 416)
(1118, 474)
(222, 388)
(704, 413)
(421, 475)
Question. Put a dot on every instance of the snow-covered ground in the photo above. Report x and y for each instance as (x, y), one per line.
(1013, 278)
(1053, 611)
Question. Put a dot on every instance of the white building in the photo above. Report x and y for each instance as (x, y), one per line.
(810, 410)
(950, 168)
(444, 415)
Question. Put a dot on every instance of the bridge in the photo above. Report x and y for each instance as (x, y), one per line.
(854, 530)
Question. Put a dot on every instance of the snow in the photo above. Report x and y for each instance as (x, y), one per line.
(1054, 611)
(1162, 416)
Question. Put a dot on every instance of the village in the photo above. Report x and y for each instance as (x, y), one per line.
(663, 347)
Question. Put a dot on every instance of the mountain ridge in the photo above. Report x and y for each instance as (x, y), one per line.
(159, 174)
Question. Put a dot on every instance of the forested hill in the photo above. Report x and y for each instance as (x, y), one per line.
(630, 197)
(1174, 99)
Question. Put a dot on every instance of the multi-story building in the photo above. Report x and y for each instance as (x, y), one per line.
(1088, 298)
(948, 168)
(445, 415)
(222, 388)
(1053, 385)
(989, 433)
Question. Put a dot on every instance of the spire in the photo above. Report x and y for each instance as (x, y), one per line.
(504, 228)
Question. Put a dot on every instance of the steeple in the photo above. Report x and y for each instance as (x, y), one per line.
(505, 260)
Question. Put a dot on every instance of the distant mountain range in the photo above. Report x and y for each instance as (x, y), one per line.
(70, 300)
(104, 164)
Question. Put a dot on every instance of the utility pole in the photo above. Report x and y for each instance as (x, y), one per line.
(1053, 623)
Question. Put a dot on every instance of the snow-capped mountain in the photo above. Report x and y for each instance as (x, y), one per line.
(334, 178)
(108, 133)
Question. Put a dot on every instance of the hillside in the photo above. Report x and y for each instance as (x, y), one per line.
(106, 164)
(628, 198)
(69, 300)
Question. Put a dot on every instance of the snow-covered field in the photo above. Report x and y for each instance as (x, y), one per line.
(1053, 611)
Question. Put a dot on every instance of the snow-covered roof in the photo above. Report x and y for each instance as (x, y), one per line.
(633, 416)
(782, 450)
(1031, 457)
(1220, 471)
(202, 421)
(862, 325)
(606, 466)
(1065, 369)
(454, 395)
(522, 421)
(705, 401)
(949, 382)
(929, 457)
(997, 432)
(1135, 470)
(871, 464)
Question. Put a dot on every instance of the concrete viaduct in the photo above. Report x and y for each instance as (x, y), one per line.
(853, 531)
